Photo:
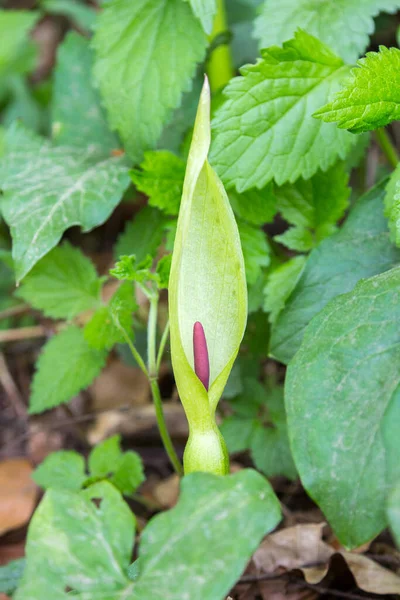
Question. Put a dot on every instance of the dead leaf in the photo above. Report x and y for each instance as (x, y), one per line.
(4, 597)
(279, 589)
(17, 493)
(299, 546)
(292, 548)
(119, 385)
(167, 491)
(368, 574)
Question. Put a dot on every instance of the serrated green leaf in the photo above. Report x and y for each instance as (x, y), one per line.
(14, 28)
(104, 328)
(368, 99)
(169, 40)
(207, 284)
(163, 271)
(63, 284)
(48, 189)
(10, 575)
(360, 249)
(280, 284)
(343, 25)
(63, 470)
(205, 11)
(265, 129)
(78, 117)
(215, 510)
(254, 206)
(81, 14)
(345, 381)
(393, 513)
(66, 365)
(392, 205)
(73, 543)
(143, 235)
(313, 207)
(129, 269)
(160, 177)
(256, 251)
(182, 118)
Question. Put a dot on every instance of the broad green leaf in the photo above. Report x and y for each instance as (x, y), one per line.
(368, 99)
(104, 328)
(259, 425)
(147, 53)
(63, 470)
(280, 284)
(207, 281)
(10, 575)
(123, 469)
(205, 11)
(313, 207)
(255, 248)
(63, 284)
(265, 129)
(343, 407)
(143, 235)
(66, 365)
(49, 189)
(160, 177)
(78, 117)
(343, 25)
(105, 456)
(392, 205)
(360, 249)
(393, 513)
(81, 14)
(14, 29)
(129, 474)
(74, 543)
(23, 106)
(254, 206)
(241, 15)
(214, 510)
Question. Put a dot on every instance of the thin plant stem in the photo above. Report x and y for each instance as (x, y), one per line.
(161, 348)
(219, 67)
(166, 439)
(387, 147)
(151, 337)
(132, 348)
(155, 390)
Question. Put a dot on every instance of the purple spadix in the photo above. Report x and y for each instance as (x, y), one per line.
(200, 351)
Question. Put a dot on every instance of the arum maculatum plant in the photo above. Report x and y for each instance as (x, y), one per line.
(207, 299)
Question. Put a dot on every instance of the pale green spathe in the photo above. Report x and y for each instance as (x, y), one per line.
(207, 281)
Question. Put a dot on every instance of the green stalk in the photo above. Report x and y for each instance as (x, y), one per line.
(219, 67)
(161, 348)
(155, 390)
(387, 147)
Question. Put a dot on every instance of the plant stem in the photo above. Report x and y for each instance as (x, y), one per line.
(155, 390)
(151, 337)
(387, 147)
(132, 348)
(219, 68)
(169, 448)
(161, 348)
